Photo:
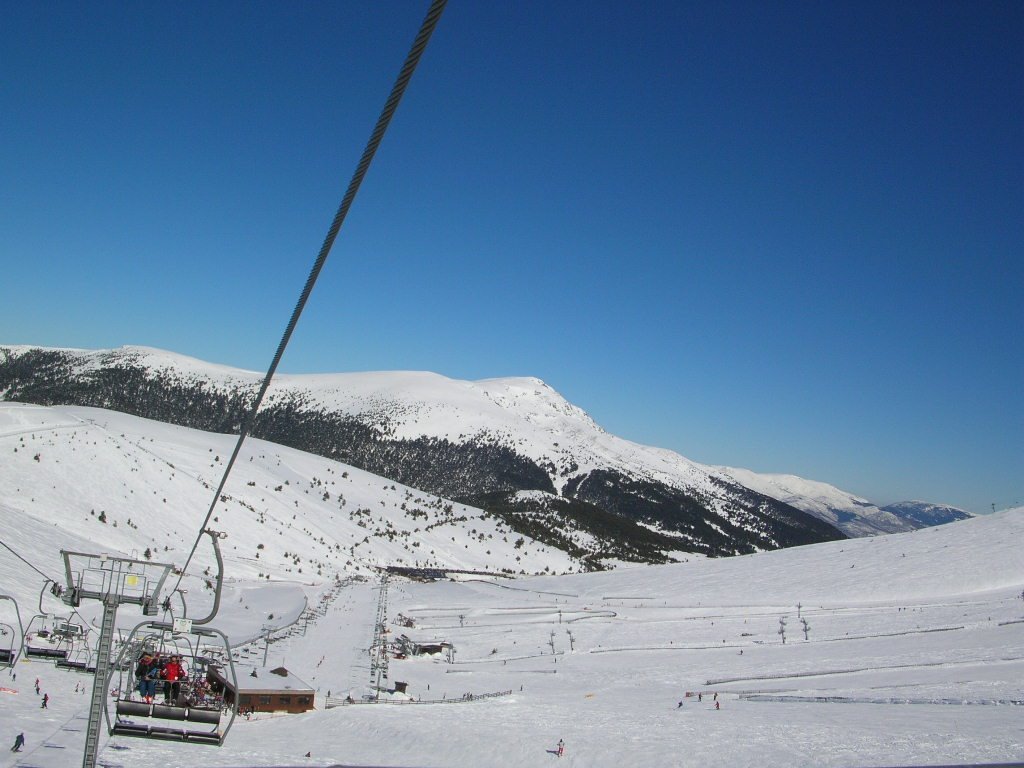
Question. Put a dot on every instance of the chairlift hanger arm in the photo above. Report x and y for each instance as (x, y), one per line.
(56, 590)
(215, 536)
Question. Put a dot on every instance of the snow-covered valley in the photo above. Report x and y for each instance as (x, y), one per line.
(913, 651)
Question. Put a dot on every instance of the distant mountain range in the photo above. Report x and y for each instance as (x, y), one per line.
(924, 515)
(511, 446)
(853, 515)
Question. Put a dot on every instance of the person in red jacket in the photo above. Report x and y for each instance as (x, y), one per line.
(173, 673)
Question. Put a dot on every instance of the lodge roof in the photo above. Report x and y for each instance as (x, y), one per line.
(277, 680)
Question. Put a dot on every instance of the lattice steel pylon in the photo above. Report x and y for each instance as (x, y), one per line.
(379, 649)
(113, 581)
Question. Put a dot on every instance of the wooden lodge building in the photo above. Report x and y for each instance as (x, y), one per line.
(406, 646)
(264, 690)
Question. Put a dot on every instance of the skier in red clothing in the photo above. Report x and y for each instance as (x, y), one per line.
(561, 748)
(172, 673)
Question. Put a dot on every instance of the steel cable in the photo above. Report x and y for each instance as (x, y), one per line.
(26, 562)
(411, 60)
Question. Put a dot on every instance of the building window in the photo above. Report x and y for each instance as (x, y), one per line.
(303, 699)
(284, 700)
(264, 699)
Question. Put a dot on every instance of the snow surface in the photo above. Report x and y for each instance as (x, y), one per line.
(914, 653)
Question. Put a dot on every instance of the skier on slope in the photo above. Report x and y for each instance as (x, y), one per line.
(19, 742)
(560, 748)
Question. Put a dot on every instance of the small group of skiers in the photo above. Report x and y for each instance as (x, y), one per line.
(700, 698)
(46, 696)
(152, 668)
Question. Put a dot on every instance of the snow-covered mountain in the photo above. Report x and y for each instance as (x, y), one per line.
(853, 515)
(512, 446)
(143, 486)
(923, 514)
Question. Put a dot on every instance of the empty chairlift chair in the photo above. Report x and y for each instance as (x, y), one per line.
(43, 642)
(79, 658)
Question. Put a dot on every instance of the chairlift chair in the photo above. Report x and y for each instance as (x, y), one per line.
(197, 714)
(69, 629)
(42, 642)
(79, 658)
(8, 651)
(11, 641)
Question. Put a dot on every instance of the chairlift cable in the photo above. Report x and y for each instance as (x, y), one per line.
(397, 90)
(26, 562)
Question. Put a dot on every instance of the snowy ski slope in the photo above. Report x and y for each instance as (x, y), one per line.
(914, 652)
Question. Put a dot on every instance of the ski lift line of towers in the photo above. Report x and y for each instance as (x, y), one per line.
(803, 622)
(271, 634)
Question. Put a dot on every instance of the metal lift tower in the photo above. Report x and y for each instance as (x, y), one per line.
(113, 581)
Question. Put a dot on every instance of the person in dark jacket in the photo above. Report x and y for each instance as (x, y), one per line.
(19, 742)
(146, 673)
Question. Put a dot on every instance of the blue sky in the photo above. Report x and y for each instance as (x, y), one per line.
(782, 236)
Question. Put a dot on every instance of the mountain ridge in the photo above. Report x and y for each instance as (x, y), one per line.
(480, 443)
